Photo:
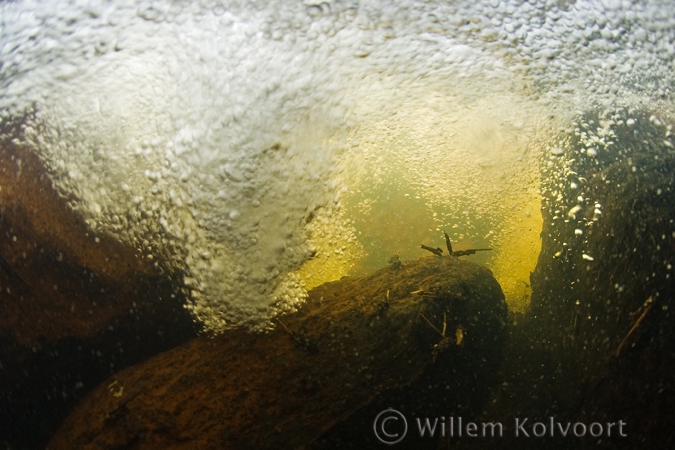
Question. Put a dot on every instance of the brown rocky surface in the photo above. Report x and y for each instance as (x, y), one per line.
(353, 340)
(74, 306)
(49, 253)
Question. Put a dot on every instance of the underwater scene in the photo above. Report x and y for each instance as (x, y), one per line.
(340, 224)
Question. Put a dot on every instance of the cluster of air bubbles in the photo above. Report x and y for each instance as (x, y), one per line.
(596, 140)
(567, 194)
(212, 134)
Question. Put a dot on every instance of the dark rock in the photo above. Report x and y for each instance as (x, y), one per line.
(589, 307)
(565, 358)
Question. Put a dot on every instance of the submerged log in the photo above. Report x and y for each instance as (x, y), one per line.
(353, 339)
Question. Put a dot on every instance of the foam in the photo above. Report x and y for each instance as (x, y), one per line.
(215, 136)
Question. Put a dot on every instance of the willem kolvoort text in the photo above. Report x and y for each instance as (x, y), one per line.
(455, 427)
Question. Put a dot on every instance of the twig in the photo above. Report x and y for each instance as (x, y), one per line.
(471, 251)
(447, 242)
(647, 306)
(289, 332)
(435, 251)
(432, 325)
(9, 270)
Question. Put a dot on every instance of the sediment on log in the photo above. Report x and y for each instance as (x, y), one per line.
(353, 339)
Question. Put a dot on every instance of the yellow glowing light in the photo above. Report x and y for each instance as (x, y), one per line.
(518, 251)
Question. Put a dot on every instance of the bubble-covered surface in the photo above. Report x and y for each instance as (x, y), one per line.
(235, 141)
